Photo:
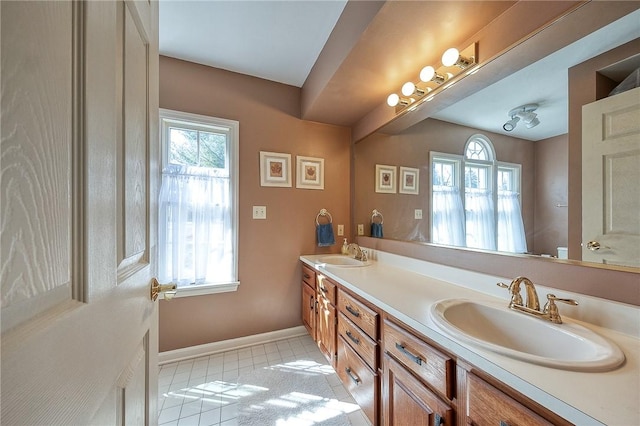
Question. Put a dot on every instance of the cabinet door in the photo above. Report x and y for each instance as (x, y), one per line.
(326, 328)
(308, 309)
(407, 401)
(359, 380)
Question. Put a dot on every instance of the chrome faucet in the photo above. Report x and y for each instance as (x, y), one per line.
(532, 305)
(360, 254)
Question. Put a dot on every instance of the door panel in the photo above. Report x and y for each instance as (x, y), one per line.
(610, 176)
(89, 356)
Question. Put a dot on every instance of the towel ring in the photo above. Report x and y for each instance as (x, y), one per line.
(375, 213)
(324, 212)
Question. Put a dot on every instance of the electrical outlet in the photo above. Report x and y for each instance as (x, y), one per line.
(259, 212)
(360, 229)
(340, 230)
(418, 214)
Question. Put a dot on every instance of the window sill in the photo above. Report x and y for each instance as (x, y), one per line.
(205, 289)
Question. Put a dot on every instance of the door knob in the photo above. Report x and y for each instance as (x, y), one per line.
(595, 246)
(169, 290)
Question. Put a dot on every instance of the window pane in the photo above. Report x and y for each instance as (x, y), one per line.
(476, 177)
(443, 174)
(476, 151)
(213, 147)
(183, 146)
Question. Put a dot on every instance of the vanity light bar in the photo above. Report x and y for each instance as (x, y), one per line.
(432, 81)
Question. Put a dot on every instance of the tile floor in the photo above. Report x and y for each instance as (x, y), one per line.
(204, 391)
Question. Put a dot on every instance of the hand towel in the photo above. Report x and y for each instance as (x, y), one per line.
(376, 230)
(325, 236)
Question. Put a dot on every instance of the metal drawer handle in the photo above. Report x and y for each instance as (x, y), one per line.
(437, 419)
(307, 276)
(356, 379)
(311, 300)
(503, 423)
(352, 311)
(414, 358)
(323, 290)
(353, 338)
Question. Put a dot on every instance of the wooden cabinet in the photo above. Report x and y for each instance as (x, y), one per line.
(326, 319)
(358, 361)
(309, 309)
(418, 382)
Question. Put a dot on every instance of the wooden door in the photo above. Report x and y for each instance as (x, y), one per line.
(610, 179)
(326, 328)
(78, 201)
(309, 309)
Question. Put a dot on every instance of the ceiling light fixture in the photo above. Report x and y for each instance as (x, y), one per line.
(526, 114)
(433, 80)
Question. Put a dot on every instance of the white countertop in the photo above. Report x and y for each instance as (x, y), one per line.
(406, 288)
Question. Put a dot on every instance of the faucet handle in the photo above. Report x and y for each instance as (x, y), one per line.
(551, 309)
(516, 298)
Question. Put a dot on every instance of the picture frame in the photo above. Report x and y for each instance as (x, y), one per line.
(386, 181)
(309, 172)
(409, 181)
(275, 169)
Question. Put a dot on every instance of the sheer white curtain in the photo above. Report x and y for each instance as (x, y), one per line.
(480, 219)
(448, 216)
(511, 236)
(195, 226)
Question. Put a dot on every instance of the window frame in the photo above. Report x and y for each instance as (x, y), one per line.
(171, 118)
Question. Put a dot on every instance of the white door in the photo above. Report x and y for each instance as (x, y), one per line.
(77, 212)
(611, 180)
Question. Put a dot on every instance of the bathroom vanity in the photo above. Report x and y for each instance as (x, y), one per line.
(374, 322)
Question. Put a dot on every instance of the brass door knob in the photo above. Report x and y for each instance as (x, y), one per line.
(595, 246)
(168, 290)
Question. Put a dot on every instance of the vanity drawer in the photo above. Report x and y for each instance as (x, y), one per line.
(359, 380)
(434, 367)
(308, 275)
(359, 314)
(360, 342)
(327, 289)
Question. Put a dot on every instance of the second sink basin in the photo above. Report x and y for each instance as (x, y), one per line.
(567, 346)
(341, 260)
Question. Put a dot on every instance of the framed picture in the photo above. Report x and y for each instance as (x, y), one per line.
(310, 172)
(275, 169)
(409, 180)
(386, 178)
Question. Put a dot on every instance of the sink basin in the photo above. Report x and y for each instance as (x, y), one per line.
(567, 346)
(341, 260)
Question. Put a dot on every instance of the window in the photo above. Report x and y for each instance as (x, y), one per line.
(197, 236)
(481, 211)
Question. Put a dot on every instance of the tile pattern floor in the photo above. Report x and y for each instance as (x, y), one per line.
(204, 391)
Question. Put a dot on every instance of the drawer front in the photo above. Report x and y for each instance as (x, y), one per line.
(359, 314)
(434, 367)
(308, 275)
(359, 380)
(489, 405)
(327, 289)
(359, 342)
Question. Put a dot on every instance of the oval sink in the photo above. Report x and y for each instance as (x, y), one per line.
(567, 346)
(341, 260)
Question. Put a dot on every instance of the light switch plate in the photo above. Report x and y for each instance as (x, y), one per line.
(360, 229)
(340, 230)
(259, 212)
(418, 214)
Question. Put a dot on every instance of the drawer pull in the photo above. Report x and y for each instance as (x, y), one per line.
(352, 311)
(312, 304)
(503, 423)
(307, 276)
(323, 290)
(437, 419)
(355, 379)
(413, 357)
(353, 338)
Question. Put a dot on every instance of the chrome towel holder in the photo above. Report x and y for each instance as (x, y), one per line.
(324, 213)
(375, 213)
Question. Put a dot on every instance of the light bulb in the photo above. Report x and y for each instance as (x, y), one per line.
(450, 57)
(408, 88)
(427, 73)
(393, 100)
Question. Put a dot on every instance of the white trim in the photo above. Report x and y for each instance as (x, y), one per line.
(228, 345)
(202, 289)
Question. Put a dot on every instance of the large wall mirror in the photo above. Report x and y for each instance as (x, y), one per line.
(523, 125)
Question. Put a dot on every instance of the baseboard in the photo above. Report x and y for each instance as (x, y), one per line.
(228, 345)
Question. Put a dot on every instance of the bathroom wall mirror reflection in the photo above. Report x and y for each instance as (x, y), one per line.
(546, 156)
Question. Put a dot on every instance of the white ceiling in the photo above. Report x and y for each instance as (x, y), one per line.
(281, 40)
(273, 40)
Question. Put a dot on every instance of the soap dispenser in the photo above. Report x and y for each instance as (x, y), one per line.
(345, 247)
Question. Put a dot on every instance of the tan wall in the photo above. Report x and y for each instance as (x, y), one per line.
(551, 187)
(268, 298)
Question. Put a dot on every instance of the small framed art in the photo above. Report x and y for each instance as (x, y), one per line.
(409, 180)
(386, 179)
(275, 169)
(310, 172)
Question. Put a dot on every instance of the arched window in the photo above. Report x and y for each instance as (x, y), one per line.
(476, 199)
